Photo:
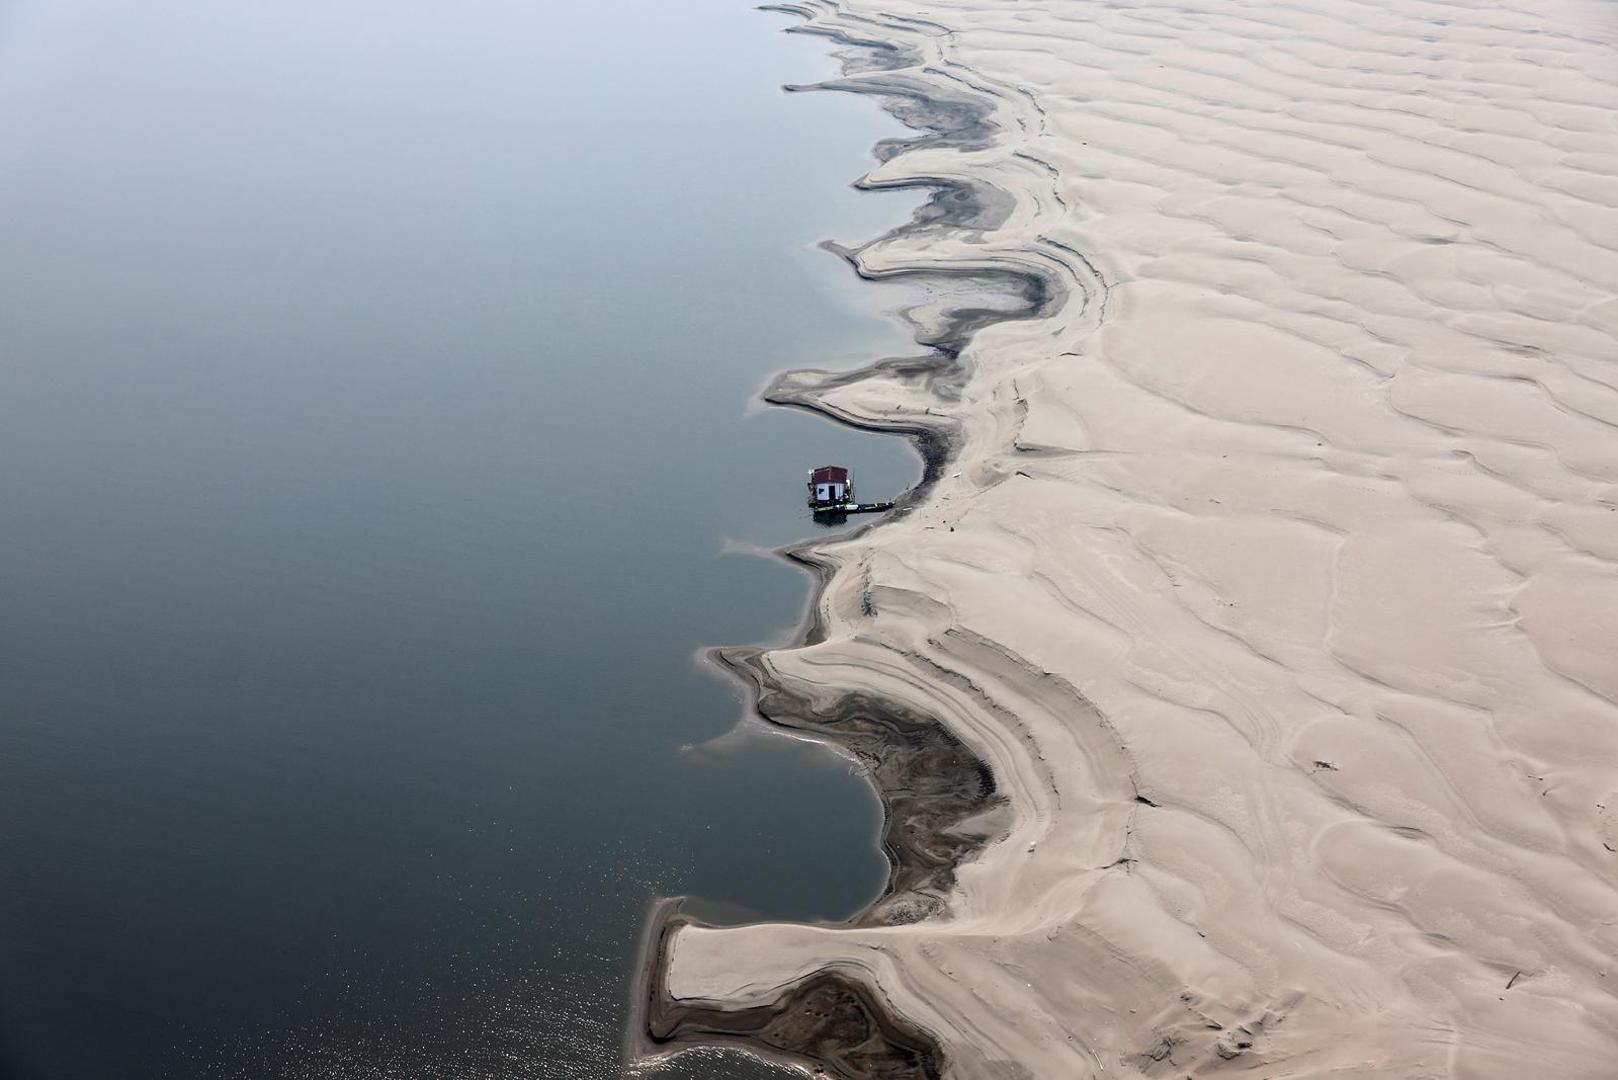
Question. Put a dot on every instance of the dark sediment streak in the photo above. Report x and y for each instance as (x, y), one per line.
(937, 797)
(930, 785)
(829, 1022)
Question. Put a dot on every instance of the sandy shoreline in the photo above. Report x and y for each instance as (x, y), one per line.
(938, 800)
(1273, 574)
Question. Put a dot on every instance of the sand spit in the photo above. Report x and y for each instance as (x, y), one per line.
(1273, 574)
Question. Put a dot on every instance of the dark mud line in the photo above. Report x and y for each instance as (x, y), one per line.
(931, 786)
(830, 1022)
(938, 799)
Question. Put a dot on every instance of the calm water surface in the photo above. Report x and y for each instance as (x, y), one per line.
(376, 455)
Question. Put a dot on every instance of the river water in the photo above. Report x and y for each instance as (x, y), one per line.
(377, 456)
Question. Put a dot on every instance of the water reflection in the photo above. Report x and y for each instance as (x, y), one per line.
(347, 608)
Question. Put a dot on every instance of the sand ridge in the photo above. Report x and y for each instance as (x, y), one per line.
(1274, 572)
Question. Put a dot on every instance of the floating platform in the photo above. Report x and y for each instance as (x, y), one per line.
(831, 494)
(852, 508)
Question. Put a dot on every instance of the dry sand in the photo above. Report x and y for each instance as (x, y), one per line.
(1275, 573)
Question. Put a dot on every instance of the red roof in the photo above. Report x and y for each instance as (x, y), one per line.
(829, 474)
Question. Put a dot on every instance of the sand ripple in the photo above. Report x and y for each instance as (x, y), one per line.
(1276, 574)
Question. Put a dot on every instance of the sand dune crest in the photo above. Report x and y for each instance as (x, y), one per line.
(1274, 573)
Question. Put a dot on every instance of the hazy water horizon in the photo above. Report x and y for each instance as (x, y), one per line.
(380, 450)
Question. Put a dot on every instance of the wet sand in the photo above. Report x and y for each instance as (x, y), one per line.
(1258, 613)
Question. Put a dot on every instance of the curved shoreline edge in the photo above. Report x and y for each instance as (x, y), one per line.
(940, 802)
(1270, 559)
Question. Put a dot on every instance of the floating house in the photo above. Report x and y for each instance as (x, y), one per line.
(830, 486)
